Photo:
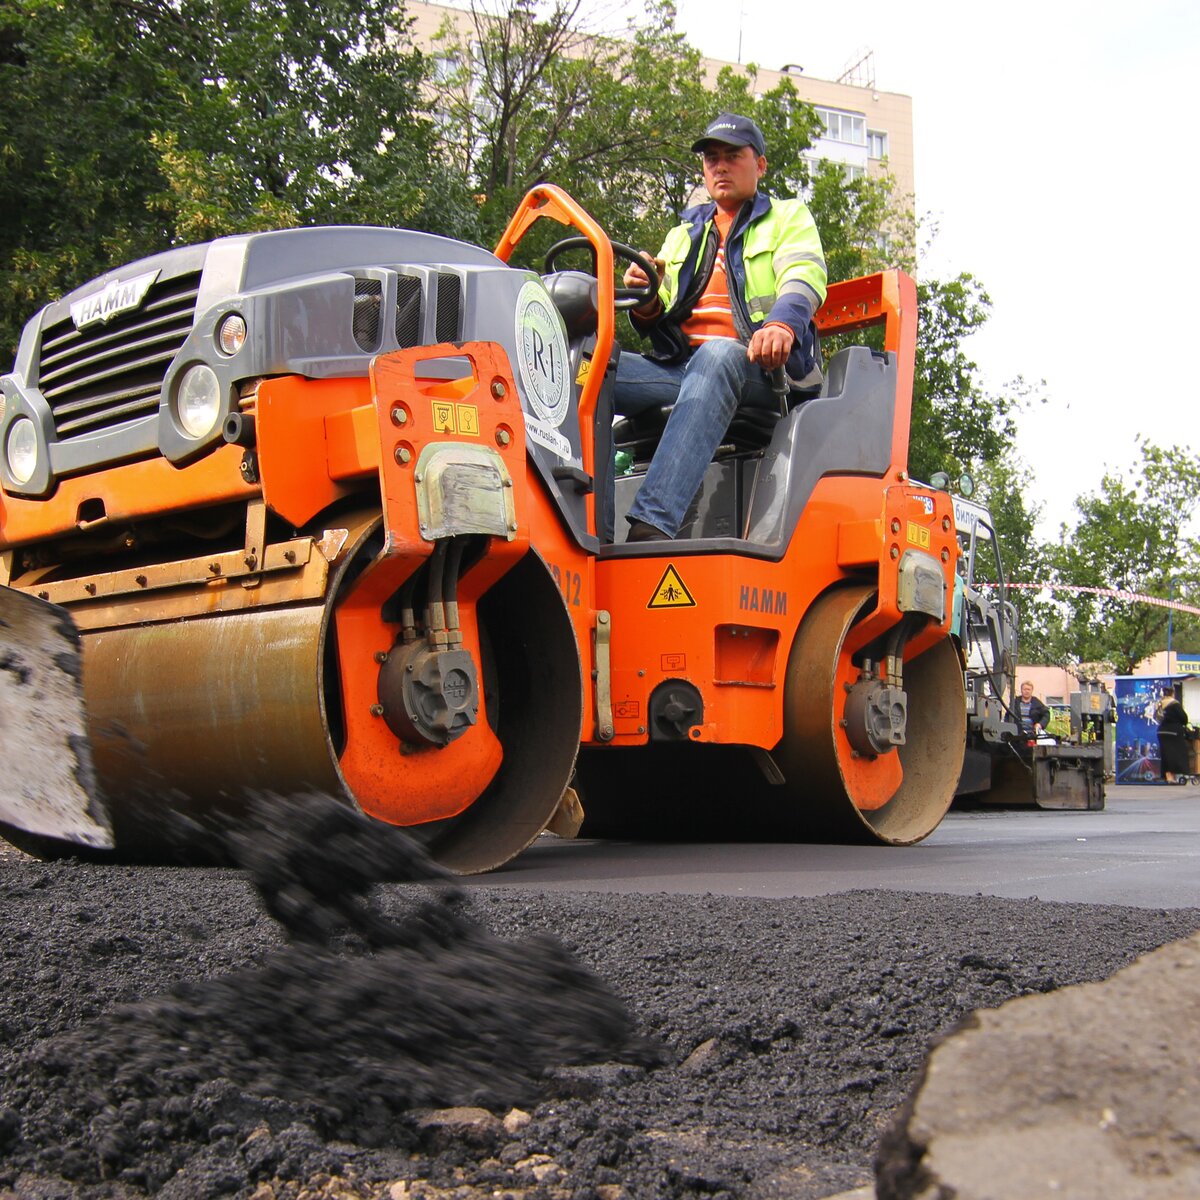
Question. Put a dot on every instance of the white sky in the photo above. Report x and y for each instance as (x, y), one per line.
(1055, 150)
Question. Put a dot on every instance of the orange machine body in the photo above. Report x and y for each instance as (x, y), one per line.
(355, 486)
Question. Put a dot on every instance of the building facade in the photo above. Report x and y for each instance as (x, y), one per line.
(867, 130)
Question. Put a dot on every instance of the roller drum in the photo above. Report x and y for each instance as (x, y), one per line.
(207, 710)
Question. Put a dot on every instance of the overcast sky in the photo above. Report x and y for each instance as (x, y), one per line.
(1055, 149)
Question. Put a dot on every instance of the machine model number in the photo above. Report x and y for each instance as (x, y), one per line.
(570, 583)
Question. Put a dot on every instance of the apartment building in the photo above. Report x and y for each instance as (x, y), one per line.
(867, 130)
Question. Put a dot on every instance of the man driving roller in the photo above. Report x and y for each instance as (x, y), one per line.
(739, 281)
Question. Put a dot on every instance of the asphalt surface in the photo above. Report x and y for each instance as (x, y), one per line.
(287, 1032)
(1142, 849)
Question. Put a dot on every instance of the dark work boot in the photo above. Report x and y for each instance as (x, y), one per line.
(641, 531)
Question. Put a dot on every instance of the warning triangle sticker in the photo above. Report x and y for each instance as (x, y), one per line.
(671, 592)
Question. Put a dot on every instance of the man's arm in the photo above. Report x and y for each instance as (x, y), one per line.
(800, 284)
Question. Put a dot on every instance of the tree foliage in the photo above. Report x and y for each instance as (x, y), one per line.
(528, 96)
(957, 424)
(128, 126)
(1133, 535)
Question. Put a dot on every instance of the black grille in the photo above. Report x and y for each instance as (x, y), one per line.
(368, 295)
(100, 377)
(408, 311)
(449, 304)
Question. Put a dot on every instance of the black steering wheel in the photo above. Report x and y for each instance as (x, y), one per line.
(623, 297)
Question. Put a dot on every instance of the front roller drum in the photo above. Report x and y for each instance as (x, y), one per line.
(189, 718)
(533, 696)
(839, 793)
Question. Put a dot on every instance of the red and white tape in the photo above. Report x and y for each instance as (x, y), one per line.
(1114, 593)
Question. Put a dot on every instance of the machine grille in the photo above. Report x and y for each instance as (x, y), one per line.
(368, 297)
(408, 311)
(449, 307)
(101, 377)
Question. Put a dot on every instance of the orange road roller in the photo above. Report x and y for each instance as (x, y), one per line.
(325, 508)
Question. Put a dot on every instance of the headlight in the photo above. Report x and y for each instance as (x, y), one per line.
(231, 333)
(198, 401)
(22, 449)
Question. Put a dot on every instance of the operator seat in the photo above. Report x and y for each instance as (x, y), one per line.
(749, 432)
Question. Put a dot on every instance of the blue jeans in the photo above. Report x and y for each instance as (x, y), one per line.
(706, 391)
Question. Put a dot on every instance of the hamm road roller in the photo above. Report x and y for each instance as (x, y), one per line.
(323, 508)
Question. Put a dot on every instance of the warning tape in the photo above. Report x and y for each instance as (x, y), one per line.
(1114, 593)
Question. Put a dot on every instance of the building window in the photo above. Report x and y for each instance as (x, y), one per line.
(844, 126)
(444, 67)
(876, 144)
(850, 171)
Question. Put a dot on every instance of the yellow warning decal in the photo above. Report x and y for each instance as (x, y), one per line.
(918, 535)
(671, 592)
(585, 367)
(443, 417)
(468, 419)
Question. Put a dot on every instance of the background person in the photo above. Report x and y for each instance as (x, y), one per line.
(1033, 714)
(1172, 740)
(739, 282)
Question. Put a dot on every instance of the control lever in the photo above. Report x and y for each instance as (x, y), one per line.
(779, 385)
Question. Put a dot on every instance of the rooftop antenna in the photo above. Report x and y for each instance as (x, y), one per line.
(860, 72)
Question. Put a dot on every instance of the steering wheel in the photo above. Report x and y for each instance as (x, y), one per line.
(623, 297)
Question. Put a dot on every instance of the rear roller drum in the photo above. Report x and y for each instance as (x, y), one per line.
(897, 796)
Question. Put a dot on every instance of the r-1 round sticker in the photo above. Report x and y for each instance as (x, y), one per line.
(542, 354)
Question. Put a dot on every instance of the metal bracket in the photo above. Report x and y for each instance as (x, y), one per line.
(256, 541)
(603, 676)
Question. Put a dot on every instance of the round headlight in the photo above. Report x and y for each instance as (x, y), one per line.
(198, 401)
(22, 449)
(231, 333)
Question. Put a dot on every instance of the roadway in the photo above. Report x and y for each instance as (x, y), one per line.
(1142, 849)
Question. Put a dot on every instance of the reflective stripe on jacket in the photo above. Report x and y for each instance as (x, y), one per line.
(776, 271)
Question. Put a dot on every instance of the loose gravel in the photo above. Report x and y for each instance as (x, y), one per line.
(162, 1033)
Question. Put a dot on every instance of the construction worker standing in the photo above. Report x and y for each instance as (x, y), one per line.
(739, 281)
(1033, 714)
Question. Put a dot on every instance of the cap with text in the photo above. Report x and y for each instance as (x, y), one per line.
(734, 131)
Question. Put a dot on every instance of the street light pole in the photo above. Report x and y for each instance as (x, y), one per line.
(1170, 618)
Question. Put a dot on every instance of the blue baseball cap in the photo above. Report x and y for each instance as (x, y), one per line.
(733, 130)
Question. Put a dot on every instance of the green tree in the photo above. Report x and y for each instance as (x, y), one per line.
(1132, 536)
(298, 111)
(130, 125)
(78, 166)
(865, 224)
(957, 425)
(530, 98)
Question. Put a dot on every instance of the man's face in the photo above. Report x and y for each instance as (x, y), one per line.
(1026, 690)
(731, 173)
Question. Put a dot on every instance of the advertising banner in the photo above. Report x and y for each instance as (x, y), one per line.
(1137, 698)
